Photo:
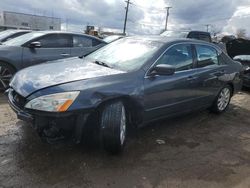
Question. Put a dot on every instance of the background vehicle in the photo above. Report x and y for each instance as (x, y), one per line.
(245, 61)
(11, 33)
(38, 47)
(156, 78)
(199, 35)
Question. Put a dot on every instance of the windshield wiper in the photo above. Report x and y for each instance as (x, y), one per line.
(102, 63)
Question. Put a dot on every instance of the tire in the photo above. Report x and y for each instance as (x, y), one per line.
(222, 101)
(6, 73)
(113, 127)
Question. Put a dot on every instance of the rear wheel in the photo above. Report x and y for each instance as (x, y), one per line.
(6, 73)
(113, 127)
(223, 99)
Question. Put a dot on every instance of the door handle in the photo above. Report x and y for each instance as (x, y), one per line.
(191, 78)
(65, 55)
(220, 73)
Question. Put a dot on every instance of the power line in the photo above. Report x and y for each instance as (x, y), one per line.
(147, 8)
(144, 23)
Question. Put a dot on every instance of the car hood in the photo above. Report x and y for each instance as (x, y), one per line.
(29, 80)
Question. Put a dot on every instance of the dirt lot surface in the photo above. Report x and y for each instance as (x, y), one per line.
(200, 150)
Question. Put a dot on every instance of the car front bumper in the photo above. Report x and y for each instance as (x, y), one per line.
(51, 126)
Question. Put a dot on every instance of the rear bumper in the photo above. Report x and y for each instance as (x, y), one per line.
(53, 126)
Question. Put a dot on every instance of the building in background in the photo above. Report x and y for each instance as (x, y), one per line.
(15, 20)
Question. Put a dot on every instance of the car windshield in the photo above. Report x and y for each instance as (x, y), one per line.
(18, 41)
(175, 34)
(126, 54)
(6, 33)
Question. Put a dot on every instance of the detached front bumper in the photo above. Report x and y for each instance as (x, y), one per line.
(50, 126)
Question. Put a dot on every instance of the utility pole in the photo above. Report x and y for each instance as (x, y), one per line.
(166, 25)
(207, 25)
(126, 17)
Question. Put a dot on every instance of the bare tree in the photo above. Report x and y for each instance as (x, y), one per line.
(241, 33)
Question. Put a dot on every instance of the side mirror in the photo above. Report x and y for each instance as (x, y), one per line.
(35, 44)
(162, 69)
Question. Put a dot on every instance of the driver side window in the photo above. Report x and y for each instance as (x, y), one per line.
(180, 56)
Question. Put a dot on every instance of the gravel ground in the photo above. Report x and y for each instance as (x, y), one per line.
(200, 150)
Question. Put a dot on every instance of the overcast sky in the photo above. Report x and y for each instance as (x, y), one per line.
(145, 16)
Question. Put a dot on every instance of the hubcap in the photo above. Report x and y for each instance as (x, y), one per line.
(123, 126)
(223, 99)
(5, 76)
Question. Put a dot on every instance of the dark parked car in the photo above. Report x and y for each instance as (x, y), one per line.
(11, 34)
(245, 61)
(131, 81)
(37, 47)
(199, 35)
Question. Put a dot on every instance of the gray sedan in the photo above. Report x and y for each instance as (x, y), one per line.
(129, 82)
(38, 47)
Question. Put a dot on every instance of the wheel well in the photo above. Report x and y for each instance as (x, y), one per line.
(232, 87)
(4, 62)
(133, 109)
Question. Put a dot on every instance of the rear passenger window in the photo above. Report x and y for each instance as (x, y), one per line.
(204, 38)
(56, 41)
(179, 56)
(206, 56)
(80, 41)
(96, 42)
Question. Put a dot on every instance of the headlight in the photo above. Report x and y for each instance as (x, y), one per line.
(58, 102)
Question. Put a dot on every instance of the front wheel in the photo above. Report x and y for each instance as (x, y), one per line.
(222, 100)
(6, 73)
(113, 127)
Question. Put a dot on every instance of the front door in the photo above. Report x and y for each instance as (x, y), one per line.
(169, 95)
(53, 46)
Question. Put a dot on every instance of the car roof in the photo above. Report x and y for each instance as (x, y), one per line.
(65, 32)
(164, 39)
(169, 40)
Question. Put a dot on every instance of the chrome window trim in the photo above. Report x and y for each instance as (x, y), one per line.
(189, 43)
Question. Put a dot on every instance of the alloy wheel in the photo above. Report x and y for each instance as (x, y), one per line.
(123, 126)
(5, 77)
(224, 99)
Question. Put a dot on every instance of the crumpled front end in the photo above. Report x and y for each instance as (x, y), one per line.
(51, 127)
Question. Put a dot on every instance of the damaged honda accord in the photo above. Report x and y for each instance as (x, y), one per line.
(132, 81)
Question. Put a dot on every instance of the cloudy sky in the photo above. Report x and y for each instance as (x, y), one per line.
(145, 16)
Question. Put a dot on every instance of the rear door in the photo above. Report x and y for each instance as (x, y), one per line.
(53, 46)
(83, 45)
(210, 71)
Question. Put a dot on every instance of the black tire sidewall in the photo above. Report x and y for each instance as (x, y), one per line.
(110, 127)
